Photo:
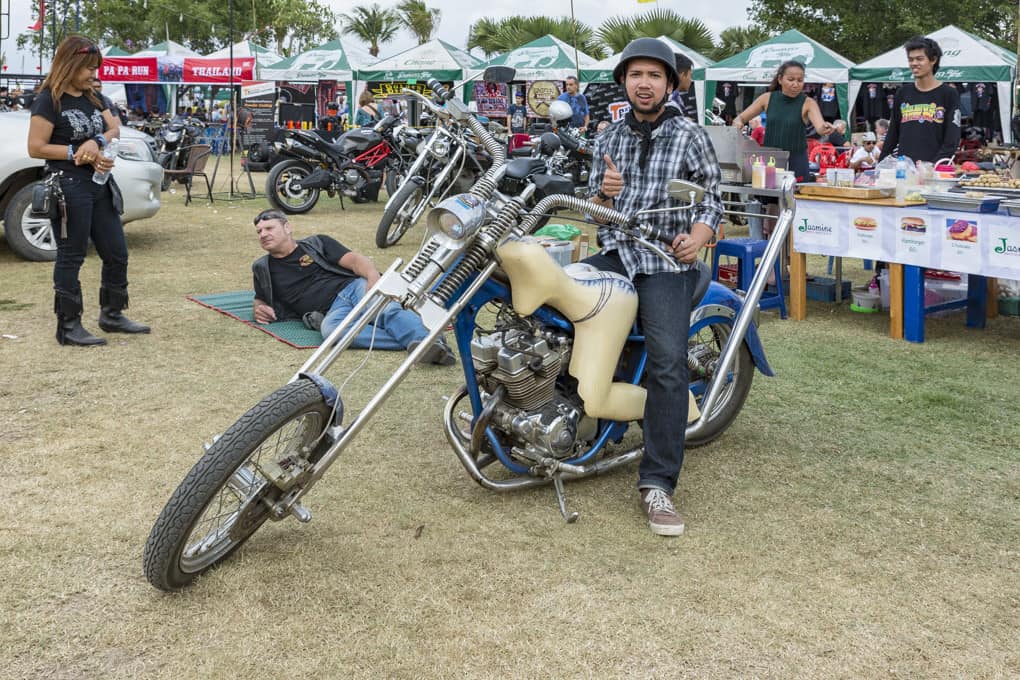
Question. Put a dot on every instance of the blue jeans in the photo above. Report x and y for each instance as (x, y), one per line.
(90, 213)
(395, 328)
(664, 311)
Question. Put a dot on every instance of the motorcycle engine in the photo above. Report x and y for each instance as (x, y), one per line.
(539, 419)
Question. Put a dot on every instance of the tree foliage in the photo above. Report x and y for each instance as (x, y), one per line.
(201, 26)
(372, 25)
(737, 39)
(419, 19)
(508, 33)
(863, 29)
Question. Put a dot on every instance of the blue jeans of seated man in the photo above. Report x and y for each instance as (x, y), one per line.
(664, 310)
(395, 327)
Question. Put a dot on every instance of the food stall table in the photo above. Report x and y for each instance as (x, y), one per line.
(911, 238)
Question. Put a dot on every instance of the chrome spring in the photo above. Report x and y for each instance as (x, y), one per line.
(423, 257)
(478, 253)
(484, 187)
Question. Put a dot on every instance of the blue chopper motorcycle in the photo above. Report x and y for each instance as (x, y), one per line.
(552, 359)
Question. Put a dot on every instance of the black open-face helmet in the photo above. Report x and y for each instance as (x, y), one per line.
(648, 48)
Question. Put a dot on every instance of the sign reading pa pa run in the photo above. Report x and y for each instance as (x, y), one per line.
(168, 69)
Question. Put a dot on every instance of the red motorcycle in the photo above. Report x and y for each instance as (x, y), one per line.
(355, 165)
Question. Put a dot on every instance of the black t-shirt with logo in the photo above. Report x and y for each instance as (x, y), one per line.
(925, 125)
(300, 285)
(77, 121)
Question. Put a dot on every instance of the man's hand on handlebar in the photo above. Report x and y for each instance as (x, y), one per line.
(686, 247)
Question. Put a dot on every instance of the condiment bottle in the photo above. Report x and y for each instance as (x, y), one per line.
(758, 174)
(770, 174)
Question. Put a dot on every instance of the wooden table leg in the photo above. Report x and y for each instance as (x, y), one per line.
(798, 283)
(993, 298)
(896, 301)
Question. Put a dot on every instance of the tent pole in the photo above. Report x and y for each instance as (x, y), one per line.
(573, 25)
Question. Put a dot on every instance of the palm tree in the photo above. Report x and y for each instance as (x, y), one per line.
(372, 25)
(617, 32)
(482, 35)
(419, 19)
(510, 33)
(737, 39)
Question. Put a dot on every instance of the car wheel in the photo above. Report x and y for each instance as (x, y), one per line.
(28, 235)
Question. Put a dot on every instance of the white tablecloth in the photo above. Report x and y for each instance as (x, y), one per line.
(825, 228)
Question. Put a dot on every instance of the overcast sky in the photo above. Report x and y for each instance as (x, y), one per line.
(457, 17)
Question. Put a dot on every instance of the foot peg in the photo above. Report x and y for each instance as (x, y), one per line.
(301, 513)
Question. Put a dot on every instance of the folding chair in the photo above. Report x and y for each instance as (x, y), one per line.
(197, 155)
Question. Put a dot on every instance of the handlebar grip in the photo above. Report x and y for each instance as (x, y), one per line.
(440, 91)
(656, 234)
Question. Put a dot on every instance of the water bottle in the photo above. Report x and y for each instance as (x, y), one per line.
(109, 152)
(901, 180)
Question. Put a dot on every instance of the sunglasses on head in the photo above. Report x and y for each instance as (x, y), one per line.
(91, 49)
(269, 215)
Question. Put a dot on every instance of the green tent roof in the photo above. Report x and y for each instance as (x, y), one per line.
(435, 59)
(545, 58)
(326, 62)
(759, 63)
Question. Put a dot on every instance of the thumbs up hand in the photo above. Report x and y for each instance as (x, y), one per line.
(612, 180)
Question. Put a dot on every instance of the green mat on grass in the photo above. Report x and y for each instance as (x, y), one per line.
(237, 305)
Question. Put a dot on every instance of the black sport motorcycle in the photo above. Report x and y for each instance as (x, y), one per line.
(173, 139)
(353, 166)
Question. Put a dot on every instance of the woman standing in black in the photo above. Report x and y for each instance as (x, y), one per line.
(67, 130)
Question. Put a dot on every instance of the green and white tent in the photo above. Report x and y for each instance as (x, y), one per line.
(435, 59)
(264, 57)
(966, 58)
(545, 58)
(326, 62)
(602, 71)
(758, 65)
(167, 48)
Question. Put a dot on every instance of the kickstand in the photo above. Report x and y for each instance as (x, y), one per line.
(561, 498)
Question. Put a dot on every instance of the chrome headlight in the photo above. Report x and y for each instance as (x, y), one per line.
(440, 148)
(134, 150)
(458, 217)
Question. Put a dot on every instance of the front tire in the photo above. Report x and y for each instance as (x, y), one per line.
(29, 236)
(402, 212)
(706, 344)
(225, 497)
(280, 190)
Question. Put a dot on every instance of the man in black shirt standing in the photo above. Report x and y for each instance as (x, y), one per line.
(925, 123)
(320, 281)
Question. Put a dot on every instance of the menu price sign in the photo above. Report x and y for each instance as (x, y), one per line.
(260, 99)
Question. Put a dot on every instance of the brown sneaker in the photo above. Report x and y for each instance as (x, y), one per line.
(663, 519)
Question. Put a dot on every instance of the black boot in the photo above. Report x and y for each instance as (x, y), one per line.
(111, 301)
(69, 329)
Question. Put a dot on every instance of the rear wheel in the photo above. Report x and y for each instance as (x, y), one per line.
(402, 212)
(227, 495)
(704, 347)
(282, 193)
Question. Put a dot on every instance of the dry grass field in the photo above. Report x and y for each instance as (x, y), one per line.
(860, 519)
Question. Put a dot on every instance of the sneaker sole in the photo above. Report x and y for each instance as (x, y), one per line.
(666, 529)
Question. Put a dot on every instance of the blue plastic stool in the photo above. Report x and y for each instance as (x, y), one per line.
(749, 251)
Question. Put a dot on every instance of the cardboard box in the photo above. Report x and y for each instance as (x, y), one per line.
(582, 245)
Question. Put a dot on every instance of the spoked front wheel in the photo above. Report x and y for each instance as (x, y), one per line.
(402, 211)
(704, 347)
(227, 495)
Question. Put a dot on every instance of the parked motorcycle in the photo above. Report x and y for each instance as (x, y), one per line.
(448, 161)
(352, 166)
(552, 361)
(574, 157)
(176, 135)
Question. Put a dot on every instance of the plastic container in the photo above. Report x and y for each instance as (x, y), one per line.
(865, 302)
(883, 287)
(901, 180)
(758, 174)
(561, 251)
(755, 225)
(110, 152)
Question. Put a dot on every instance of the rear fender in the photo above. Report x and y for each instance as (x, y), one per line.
(722, 302)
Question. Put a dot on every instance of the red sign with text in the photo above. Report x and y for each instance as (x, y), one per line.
(218, 70)
(129, 70)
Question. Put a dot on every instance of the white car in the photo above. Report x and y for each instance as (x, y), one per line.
(137, 173)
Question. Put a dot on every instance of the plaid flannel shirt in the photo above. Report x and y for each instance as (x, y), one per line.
(681, 150)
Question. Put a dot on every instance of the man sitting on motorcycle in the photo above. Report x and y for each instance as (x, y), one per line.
(319, 280)
(633, 162)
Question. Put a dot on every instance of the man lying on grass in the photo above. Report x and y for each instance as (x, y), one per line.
(319, 280)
